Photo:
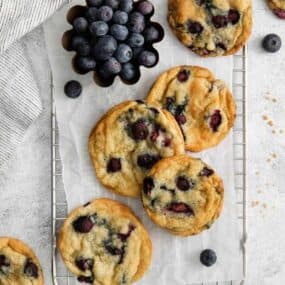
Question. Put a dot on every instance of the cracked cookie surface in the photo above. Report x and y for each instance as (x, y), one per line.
(183, 195)
(128, 141)
(104, 243)
(202, 105)
(18, 264)
(211, 27)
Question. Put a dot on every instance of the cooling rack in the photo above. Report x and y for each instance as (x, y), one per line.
(60, 274)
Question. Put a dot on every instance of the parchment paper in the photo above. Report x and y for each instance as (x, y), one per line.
(175, 259)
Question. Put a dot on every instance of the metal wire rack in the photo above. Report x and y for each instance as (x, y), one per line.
(60, 274)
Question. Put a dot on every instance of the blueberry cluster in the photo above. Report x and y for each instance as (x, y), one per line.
(113, 37)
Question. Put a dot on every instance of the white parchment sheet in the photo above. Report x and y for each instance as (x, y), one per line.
(175, 259)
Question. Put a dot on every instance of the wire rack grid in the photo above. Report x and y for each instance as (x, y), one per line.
(60, 274)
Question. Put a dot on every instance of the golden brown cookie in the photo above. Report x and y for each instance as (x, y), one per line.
(128, 141)
(183, 195)
(277, 7)
(104, 243)
(211, 27)
(202, 105)
(18, 264)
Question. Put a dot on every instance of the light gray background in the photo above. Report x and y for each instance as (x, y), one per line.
(25, 185)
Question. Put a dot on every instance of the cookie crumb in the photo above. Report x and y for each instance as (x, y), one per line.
(281, 131)
(265, 118)
(268, 159)
(273, 132)
(274, 100)
(254, 204)
(264, 205)
(274, 155)
(259, 191)
(270, 123)
(257, 172)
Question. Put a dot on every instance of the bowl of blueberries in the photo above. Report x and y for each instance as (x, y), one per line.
(113, 38)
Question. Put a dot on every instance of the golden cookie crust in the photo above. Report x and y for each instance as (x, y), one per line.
(112, 219)
(277, 7)
(210, 40)
(112, 138)
(17, 254)
(183, 195)
(202, 96)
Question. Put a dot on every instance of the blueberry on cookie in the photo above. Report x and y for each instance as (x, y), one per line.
(18, 264)
(211, 27)
(104, 243)
(183, 195)
(128, 141)
(202, 105)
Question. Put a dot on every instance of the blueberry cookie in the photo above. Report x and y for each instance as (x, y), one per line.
(278, 7)
(183, 195)
(128, 141)
(18, 264)
(211, 27)
(104, 243)
(202, 105)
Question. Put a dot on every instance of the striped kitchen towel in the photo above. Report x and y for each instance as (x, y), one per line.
(20, 102)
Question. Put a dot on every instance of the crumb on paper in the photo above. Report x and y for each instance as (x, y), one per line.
(257, 172)
(268, 159)
(254, 204)
(274, 100)
(259, 191)
(274, 155)
(273, 132)
(265, 118)
(281, 131)
(264, 205)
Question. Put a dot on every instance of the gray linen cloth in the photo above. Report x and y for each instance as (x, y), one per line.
(20, 102)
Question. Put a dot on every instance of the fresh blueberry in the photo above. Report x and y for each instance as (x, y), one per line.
(94, 3)
(129, 72)
(123, 53)
(137, 51)
(180, 207)
(80, 25)
(136, 22)
(83, 49)
(120, 17)
(233, 16)
(147, 161)
(194, 27)
(84, 263)
(183, 75)
(78, 40)
(215, 120)
(31, 269)
(126, 5)
(114, 165)
(104, 48)
(98, 28)
(85, 63)
(145, 7)
(72, 89)
(135, 40)
(119, 32)
(139, 130)
(111, 67)
(208, 257)
(271, 43)
(151, 34)
(147, 58)
(105, 13)
(83, 224)
(114, 4)
(85, 279)
(148, 185)
(91, 14)
(219, 21)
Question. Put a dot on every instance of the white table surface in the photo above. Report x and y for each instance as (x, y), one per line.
(25, 185)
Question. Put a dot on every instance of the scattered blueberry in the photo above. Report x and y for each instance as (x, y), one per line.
(206, 172)
(147, 161)
(145, 7)
(129, 72)
(233, 16)
(139, 130)
(137, 51)
(136, 22)
(271, 43)
(105, 13)
(105, 47)
(83, 49)
(147, 58)
(80, 25)
(85, 279)
(31, 269)
(135, 40)
(78, 40)
(151, 34)
(94, 3)
(119, 32)
(114, 165)
(183, 75)
(219, 21)
(148, 185)
(85, 64)
(91, 14)
(84, 263)
(98, 28)
(123, 53)
(208, 257)
(126, 5)
(120, 17)
(180, 207)
(114, 4)
(83, 224)
(215, 120)
(72, 89)
(194, 27)
(111, 67)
